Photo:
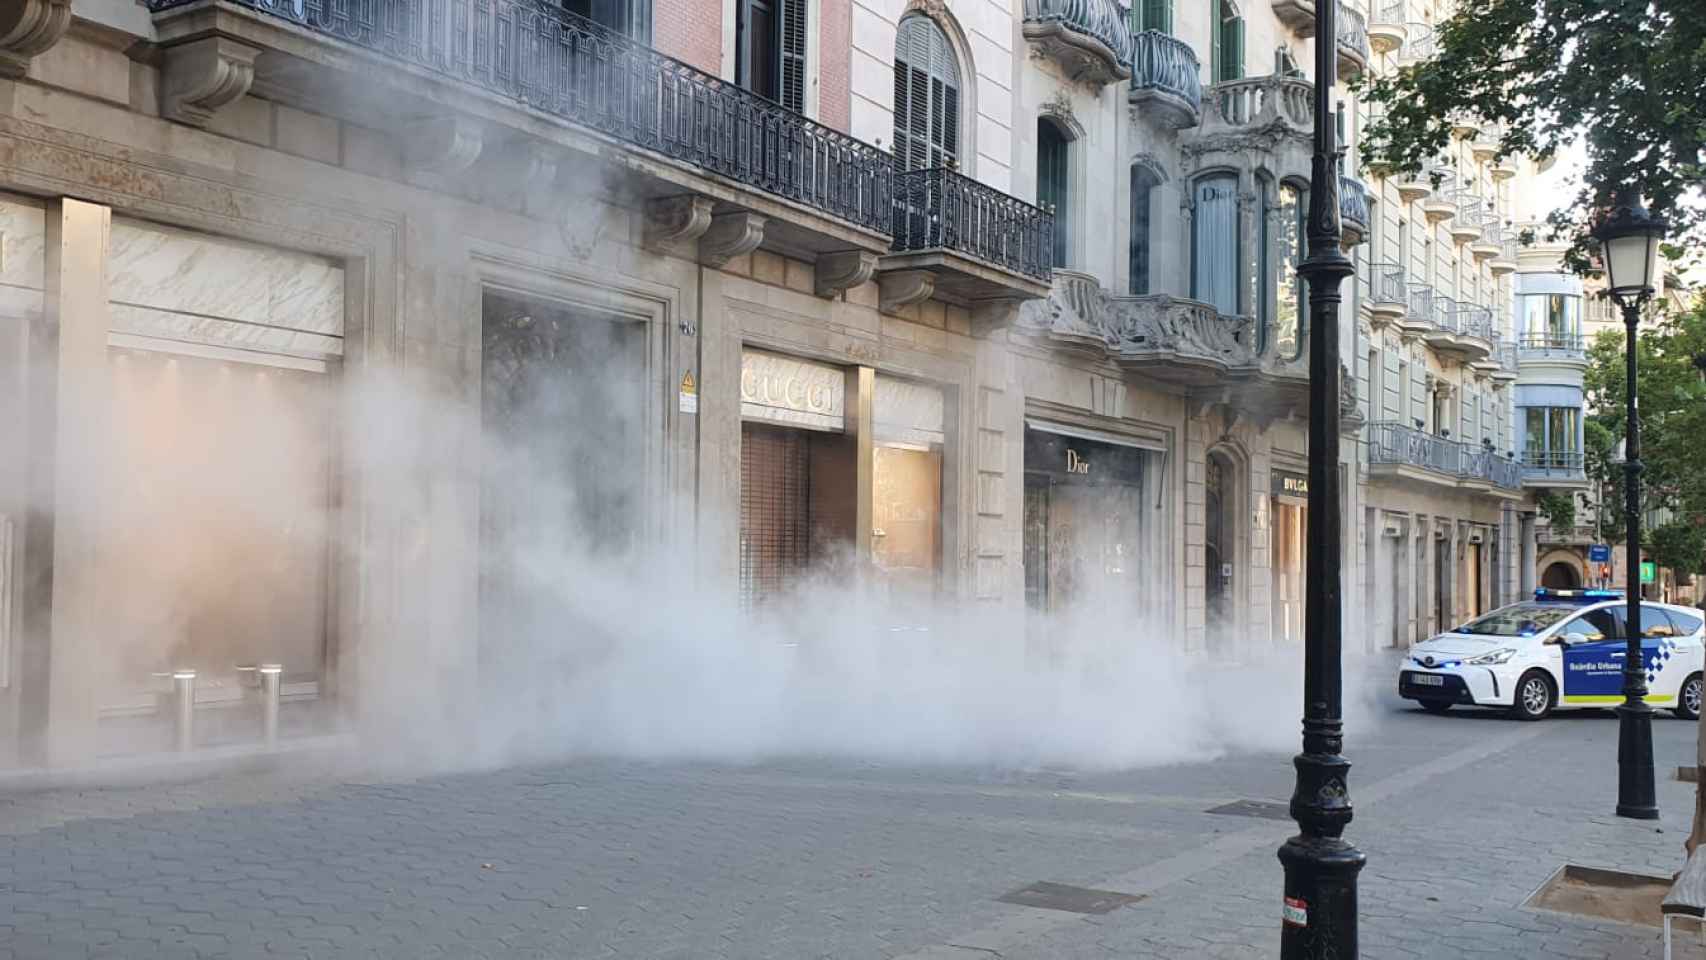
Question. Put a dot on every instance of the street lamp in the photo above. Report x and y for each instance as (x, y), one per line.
(1629, 247)
(1320, 908)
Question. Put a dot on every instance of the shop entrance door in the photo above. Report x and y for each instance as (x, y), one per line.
(1472, 584)
(1290, 522)
(1084, 532)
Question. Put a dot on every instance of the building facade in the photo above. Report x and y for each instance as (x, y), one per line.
(321, 319)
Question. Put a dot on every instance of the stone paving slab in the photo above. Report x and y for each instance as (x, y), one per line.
(1462, 816)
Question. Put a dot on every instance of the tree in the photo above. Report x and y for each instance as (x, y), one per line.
(1671, 357)
(1623, 75)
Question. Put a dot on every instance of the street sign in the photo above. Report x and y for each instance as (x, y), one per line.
(1649, 571)
(1599, 553)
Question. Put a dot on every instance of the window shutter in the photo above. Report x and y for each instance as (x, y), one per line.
(926, 96)
(1217, 54)
(1235, 49)
(1157, 15)
(793, 54)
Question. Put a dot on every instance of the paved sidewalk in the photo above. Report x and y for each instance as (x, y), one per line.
(1462, 817)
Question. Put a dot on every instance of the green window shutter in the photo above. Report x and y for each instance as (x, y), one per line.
(1233, 49)
(1216, 55)
(1157, 15)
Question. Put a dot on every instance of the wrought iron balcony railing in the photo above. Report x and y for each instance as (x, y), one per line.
(939, 209)
(1506, 354)
(1351, 25)
(1386, 284)
(1420, 42)
(1473, 320)
(1094, 26)
(1552, 344)
(546, 59)
(1353, 207)
(1398, 444)
(1391, 442)
(1164, 64)
(1422, 305)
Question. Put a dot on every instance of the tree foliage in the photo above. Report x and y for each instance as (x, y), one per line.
(1623, 75)
(1671, 385)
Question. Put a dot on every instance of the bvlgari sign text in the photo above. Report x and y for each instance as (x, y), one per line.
(1288, 484)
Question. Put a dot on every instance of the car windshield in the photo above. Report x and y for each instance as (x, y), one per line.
(1519, 620)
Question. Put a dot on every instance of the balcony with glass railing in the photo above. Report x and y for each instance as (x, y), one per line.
(1167, 77)
(1091, 38)
(1552, 345)
(1400, 452)
(1552, 467)
(1386, 28)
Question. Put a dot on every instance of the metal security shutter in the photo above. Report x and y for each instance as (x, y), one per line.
(775, 513)
(793, 53)
(926, 97)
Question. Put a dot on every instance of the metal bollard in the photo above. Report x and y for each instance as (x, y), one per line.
(271, 674)
(183, 684)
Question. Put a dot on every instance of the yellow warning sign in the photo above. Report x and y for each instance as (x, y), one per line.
(687, 384)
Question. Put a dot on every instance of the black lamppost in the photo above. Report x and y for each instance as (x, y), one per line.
(1629, 242)
(1320, 909)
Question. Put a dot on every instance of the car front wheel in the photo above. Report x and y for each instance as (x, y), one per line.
(1533, 696)
(1688, 698)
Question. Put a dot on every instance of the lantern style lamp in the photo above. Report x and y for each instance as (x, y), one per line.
(1629, 247)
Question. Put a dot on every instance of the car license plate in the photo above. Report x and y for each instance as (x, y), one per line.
(1427, 680)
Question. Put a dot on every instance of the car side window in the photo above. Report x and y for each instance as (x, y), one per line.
(1656, 622)
(1685, 623)
(1599, 624)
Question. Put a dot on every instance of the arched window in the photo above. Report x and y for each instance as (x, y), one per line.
(1143, 183)
(1053, 182)
(926, 96)
(1214, 242)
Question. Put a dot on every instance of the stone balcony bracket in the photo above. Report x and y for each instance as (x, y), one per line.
(27, 29)
(201, 76)
(837, 273)
(673, 225)
(730, 235)
(899, 289)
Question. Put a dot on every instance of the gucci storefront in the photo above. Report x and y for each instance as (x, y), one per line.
(1090, 527)
(805, 507)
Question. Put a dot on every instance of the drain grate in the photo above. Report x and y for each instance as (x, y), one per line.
(1261, 809)
(1060, 896)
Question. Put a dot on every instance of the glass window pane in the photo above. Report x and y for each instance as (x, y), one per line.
(1215, 248)
(1293, 208)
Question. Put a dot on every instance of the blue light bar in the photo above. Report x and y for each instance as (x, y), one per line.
(1551, 595)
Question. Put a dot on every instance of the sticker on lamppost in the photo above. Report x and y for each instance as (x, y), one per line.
(1296, 912)
(689, 394)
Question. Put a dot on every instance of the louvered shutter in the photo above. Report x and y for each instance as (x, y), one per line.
(1233, 49)
(1157, 15)
(926, 96)
(793, 54)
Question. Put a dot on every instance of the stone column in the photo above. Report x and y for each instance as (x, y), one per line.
(861, 394)
(1526, 573)
(67, 403)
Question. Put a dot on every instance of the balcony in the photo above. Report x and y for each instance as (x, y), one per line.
(1505, 352)
(1166, 77)
(1398, 452)
(1387, 296)
(1353, 211)
(1260, 102)
(1353, 41)
(1554, 346)
(1418, 319)
(1491, 241)
(1417, 185)
(1420, 43)
(1504, 262)
(1440, 205)
(1486, 144)
(1297, 15)
(1466, 223)
(1088, 38)
(1386, 30)
(1552, 468)
(1503, 168)
(1170, 339)
(505, 93)
(1465, 126)
(967, 242)
(1472, 326)
(1578, 534)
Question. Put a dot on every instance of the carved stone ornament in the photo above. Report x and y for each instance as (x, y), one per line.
(836, 273)
(672, 223)
(1349, 414)
(1078, 312)
(28, 28)
(203, 75)
(898, 289)
(438, 148)
(934, 9)
(730, 235)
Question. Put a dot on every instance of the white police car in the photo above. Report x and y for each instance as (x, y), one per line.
(1563, 649)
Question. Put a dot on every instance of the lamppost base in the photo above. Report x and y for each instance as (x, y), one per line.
(1637, 797)
(1320, 898)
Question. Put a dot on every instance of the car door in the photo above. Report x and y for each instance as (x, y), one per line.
(1593, 669)
(1666, 668)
